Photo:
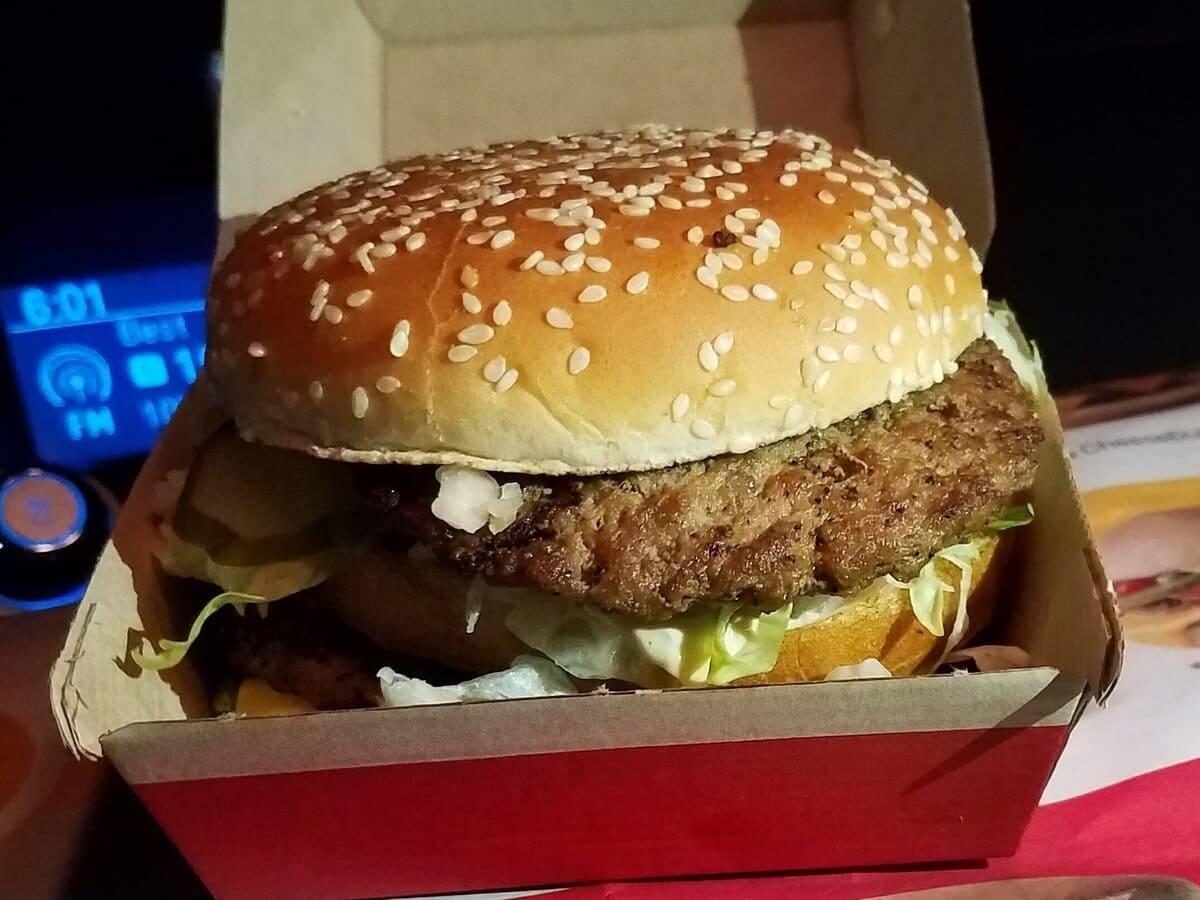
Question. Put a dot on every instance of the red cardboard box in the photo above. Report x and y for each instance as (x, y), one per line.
(602, 786)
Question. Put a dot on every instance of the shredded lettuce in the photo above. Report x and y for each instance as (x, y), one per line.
(528, 676)
(270, 580)
(1012, 517)
(999, 327)
(170, 653)
(746, 642)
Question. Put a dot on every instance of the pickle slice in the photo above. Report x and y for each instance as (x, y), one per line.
(249, 504)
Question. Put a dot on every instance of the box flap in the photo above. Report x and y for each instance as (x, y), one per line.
(1066, 612)
(94, 684)
(386, 78)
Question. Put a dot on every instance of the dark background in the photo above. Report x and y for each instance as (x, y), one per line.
(110, 136)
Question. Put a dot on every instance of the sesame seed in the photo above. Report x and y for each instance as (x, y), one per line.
(852, 353)
(383, 251)
(788, 179)
(709, 360)
(950, 288)
(724, 193)
(579, 360)
(358, 298)
(722, 388)
(923, 326)
(557, 317)
(764, 292)
(802, 267)
(863, 187)
(825, 197)
(360, 256)
(836, 290)
(832, 270)
(834, 251)
(316, 391)
(476, 239)
(858, 258)
(723, 342)
(838, 177)
(646, 243)
(828, 354)
(896, 335)
(881, 299)
(706, 277)
(333, 315)
(779, 401)
(699, 203)
(507, 381)
(502, 313)
(695, 234)
(734, 224)
(638, 283)
(495, 369)
(386, 384)
(593, 293)
(810, 369)
(708, 171)
(502, 239)
(748, 214)
(853, 301)
(821, 382)
(679, 406)
(731, 260)
(598, 263)
(493, 221)
(914, 296)
(574, 242)
(703, 429)
(976, 265)
(573, 262)
(861, 289)
(532, 260)
(795, 417)
(257, 350)
(471, 303)
(460, 353)
(883, 352)
(478, 333)
(897, 260)
(359, 401)
(735, 292)
(398, 345)
(549, 267)
(847, 325)
(951, 253)
(713, 262)
(669, 202)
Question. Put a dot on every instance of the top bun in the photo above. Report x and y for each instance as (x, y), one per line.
(593, 303)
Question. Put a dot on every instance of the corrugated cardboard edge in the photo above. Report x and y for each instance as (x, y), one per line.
(372, 737)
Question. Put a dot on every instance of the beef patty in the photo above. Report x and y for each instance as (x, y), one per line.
(828, 511)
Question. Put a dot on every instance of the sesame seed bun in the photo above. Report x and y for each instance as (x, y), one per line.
(594, 303)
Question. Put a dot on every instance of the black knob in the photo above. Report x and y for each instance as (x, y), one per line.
(53, 525)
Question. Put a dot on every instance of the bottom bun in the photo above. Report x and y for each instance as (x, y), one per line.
(410, 604)
(882, 625)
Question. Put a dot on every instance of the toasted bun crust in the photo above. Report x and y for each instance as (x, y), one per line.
(427, 619)
(568, 305)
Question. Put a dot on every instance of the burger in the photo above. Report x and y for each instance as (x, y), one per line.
(653, 408)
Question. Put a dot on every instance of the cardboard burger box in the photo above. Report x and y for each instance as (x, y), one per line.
(598, 786)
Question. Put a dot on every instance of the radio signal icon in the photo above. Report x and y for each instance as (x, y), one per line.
(74, 374)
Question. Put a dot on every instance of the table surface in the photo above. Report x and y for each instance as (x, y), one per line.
(67, 827)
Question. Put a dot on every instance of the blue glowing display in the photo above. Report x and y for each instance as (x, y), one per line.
(103, 362)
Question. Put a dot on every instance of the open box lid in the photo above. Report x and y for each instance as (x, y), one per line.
(313, 90)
